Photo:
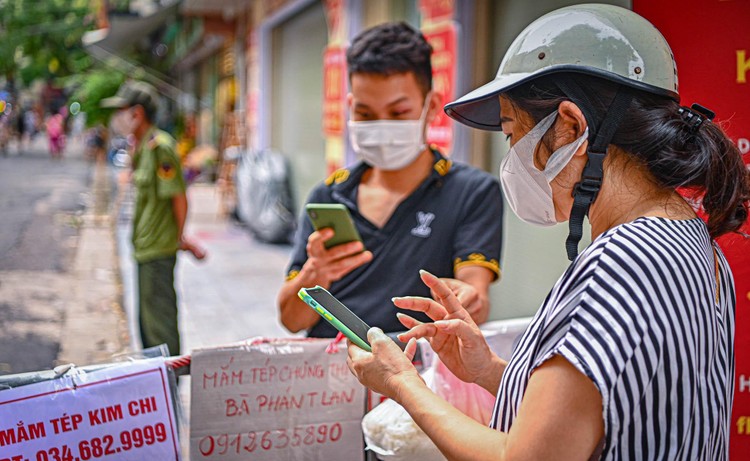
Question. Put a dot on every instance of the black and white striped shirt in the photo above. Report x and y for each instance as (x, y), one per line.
(639, 314)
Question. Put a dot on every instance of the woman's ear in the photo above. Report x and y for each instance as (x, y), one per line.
(571, 122)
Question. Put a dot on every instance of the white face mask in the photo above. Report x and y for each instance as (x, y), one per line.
(526, 188)
(389, 144)
(123, 122)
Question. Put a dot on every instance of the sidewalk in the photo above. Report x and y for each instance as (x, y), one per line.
(95, 326)
(227, 297)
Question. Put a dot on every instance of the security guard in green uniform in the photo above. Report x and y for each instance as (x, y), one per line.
(160, 211)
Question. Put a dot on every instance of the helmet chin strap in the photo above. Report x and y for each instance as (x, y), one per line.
(587, 189)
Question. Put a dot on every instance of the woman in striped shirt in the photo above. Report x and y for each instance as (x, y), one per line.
(631, 354)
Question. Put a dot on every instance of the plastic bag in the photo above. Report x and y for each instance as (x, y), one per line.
(473, 400)
(264, 197)
(391, 433)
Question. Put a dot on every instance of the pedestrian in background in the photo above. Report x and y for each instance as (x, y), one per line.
(55, 128)
(413, 207)
(96, 143)
(20, 126)
(6, 132)
(631, 355)
(161, 208)
(30, 126)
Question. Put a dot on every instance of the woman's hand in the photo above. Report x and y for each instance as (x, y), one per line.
(386, 368)
(453, 336)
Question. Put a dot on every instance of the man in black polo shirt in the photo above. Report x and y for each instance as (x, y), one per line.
(414, 208)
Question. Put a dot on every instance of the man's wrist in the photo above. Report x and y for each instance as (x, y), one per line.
(308, 278)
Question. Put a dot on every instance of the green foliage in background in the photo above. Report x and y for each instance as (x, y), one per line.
(42, 38)
(91, 88)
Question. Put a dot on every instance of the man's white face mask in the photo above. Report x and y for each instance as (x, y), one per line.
(123, 122)
(389, 144)
(526, 188)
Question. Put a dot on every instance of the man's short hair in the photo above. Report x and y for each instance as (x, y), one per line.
(391, 48)
(135, 93)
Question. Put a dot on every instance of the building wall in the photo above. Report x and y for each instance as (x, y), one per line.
(297, 96)
(208, 79)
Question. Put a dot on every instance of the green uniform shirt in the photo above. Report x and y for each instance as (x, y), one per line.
(158, 177)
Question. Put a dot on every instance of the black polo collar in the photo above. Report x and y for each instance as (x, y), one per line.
(344, 182)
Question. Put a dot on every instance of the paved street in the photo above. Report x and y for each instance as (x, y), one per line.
(56, 234)
(67, 291)
(41, 204)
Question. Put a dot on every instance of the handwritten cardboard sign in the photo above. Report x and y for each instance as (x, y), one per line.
(281, 400)
(122, 412)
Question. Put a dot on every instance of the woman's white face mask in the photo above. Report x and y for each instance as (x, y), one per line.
(389, 144)
(526, 188)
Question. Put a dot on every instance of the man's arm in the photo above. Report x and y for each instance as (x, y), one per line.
(471, 286)
(180, 209)
(294, 314)
(477, 247)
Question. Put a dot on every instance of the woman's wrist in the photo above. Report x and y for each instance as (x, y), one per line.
(405, 383)
(490, 379)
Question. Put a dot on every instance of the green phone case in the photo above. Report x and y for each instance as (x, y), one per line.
(329, 314)
(336, 216)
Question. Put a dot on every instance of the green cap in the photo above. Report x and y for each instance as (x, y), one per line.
(134, 94)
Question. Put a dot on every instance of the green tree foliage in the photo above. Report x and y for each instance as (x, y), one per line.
(42, 38)
(91, 88)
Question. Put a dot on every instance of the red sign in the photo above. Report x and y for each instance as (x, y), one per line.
(443, 40)
(434, 10)
(334, 90)
(711, 44)
(335, 10)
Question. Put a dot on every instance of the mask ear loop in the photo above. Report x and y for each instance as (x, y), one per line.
(562, 159)
(423, 122)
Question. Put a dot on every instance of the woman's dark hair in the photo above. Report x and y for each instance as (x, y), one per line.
(392, 48)
(656, 133)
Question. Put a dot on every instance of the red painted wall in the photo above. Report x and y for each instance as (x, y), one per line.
(710, 40)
